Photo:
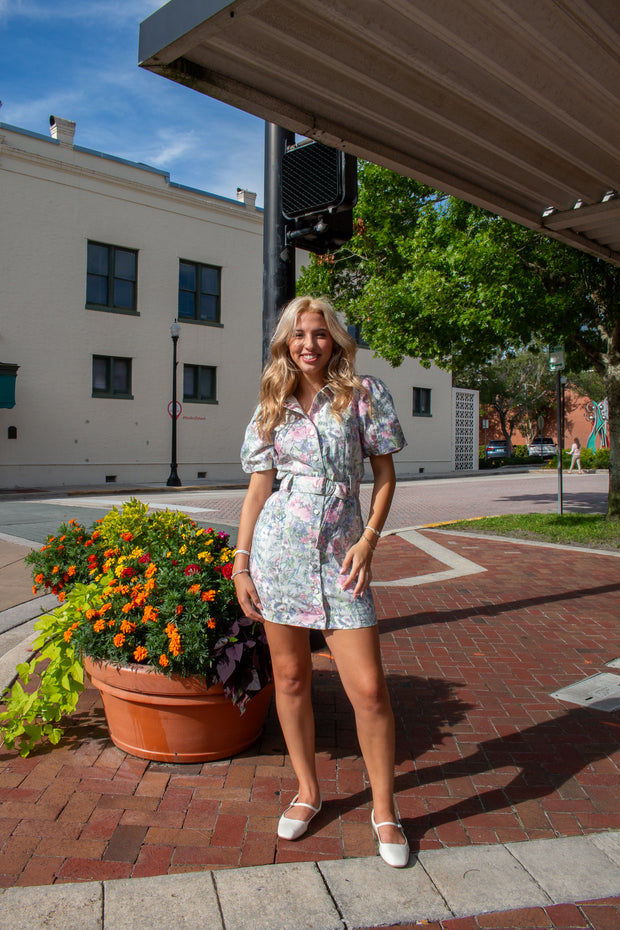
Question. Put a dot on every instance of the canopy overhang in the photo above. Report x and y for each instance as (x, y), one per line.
(510, 104)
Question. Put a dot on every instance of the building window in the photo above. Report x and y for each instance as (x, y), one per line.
(199, 384)
(199, 292)
(111, 278)
(355, 330)
(421, 402)
(111, 376)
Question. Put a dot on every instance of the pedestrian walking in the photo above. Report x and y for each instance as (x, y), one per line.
(304, 555)
(575, 451)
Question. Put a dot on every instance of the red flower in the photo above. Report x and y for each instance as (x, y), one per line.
(128, 572)
(192, 569)
(144, 558)
(225, 570)
(127, 536)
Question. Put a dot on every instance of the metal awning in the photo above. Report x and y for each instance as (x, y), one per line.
(510, 104)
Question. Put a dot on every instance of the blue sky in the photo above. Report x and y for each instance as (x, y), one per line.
(78, 59)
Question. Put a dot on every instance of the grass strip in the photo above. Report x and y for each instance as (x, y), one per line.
(590, 530)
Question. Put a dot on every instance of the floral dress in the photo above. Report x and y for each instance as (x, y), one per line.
(306, 527)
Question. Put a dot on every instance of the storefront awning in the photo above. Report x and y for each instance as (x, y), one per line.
(512, 105)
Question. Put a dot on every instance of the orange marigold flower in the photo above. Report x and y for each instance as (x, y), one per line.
(127, 536)
(127, 626)
(195, 588)
(90, 613)
(211, 623)
(39, 578)
(163, 661)
(61, 596)
(150, 570)
(88, 542)
(140, 653)
(150, 613)
(105, 607)
(118, 640)
(179, 609)
(208, 595)
(71, 571)
(55, 569)
(99, 625)
(127, 607)
(34, 590)
(96, 534)
(72, 521)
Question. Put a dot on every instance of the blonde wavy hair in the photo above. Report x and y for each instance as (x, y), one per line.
(281, 375)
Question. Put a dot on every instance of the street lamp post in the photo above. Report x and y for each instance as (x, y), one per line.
(174, 481)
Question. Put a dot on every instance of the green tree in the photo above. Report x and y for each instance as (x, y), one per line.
(434, 278)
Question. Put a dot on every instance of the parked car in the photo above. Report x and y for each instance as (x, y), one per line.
(542, 446)
(496, 450)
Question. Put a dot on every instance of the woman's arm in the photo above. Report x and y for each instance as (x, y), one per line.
(358, 559)
(259, 490)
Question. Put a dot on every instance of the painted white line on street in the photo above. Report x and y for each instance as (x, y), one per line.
(459, 566)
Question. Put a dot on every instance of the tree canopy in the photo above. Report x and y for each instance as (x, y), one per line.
(431, 277)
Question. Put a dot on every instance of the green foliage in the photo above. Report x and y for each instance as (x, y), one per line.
(31, 715)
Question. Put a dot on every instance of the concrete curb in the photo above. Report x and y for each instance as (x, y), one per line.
(332, 895)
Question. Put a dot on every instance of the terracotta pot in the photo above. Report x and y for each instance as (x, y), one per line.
(174, 719)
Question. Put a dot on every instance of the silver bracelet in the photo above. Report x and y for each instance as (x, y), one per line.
(242, 551)
(373, 530)
(240, 571)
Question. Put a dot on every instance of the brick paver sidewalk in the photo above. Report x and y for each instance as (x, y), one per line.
(484, 754)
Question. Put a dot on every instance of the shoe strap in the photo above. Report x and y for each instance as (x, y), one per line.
(296, 803)
(388, 823)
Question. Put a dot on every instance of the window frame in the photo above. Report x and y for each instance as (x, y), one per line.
(195, 319)
(355, 330)
(417, 408)
(111, 277)
(109, 391)
(196, 399)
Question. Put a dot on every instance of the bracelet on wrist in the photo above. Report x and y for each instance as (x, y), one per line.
(373, 530)
(240, 571)
(242, 552)
(368, 543)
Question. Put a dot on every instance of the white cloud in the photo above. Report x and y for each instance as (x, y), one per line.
(112, 11)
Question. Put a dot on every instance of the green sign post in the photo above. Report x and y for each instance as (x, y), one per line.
(556, 363)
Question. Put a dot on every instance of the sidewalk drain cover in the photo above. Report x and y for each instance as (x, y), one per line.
(602, 692)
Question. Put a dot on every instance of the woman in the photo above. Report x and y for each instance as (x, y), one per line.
(575, 451)
(304, 555)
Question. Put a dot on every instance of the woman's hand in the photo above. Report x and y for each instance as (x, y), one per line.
(247, 596)
(357, 562)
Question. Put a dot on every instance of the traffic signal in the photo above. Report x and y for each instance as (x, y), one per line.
(319, 191)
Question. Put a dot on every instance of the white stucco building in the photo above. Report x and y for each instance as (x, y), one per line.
(98, 256)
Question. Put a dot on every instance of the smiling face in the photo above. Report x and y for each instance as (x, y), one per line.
(311, 345)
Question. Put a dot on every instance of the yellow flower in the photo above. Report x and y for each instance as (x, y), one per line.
(205, 556)
(182, 550)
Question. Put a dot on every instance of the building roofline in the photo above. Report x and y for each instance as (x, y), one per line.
(123, 161)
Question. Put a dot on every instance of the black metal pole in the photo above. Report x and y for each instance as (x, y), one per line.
(174, 481)
(558, 403)
(278, 255)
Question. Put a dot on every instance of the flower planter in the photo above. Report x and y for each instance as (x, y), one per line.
(174, 719)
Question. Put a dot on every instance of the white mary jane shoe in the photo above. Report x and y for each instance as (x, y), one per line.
(290, 829)
(395, 854)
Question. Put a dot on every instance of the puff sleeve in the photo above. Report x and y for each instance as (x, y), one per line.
(256, 453)
(380, 429)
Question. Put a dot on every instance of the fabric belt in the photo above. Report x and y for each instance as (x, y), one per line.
(320, 485)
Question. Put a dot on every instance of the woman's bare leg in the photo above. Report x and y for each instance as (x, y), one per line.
(292, 672)
(358, 659)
